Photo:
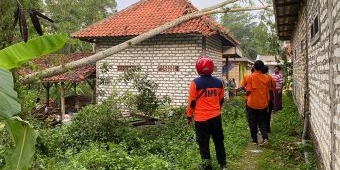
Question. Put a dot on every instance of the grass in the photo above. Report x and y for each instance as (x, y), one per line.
(2, 126)
(285, 150)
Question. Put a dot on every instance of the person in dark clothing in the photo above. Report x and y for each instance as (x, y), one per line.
(271, 98)
(278, 78)
(206, 97)
(257, 102)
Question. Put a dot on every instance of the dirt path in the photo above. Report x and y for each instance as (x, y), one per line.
(250, 157)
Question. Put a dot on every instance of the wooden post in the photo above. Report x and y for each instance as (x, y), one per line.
(227, 74)
(47, 86)
(75, 88)
(93, 87)
(62, 100)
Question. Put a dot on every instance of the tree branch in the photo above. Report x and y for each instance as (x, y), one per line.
(136, 40)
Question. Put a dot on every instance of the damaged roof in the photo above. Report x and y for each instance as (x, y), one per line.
(76, 75)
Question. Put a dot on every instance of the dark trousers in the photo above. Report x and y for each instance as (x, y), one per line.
(211, 127)
(268, 116)
(278, 101)
(256, 118)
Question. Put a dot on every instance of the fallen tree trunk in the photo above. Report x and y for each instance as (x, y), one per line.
(136, 40)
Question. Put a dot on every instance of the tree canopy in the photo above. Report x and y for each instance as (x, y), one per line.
(68, 16)
(255, 31)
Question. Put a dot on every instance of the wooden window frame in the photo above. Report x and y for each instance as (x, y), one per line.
(168, 68)
(315, 29)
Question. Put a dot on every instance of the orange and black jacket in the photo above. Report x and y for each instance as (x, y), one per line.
(209, 104)
(259, 86)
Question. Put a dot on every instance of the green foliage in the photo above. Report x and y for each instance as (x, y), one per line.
(71, 16)
(93, 123)
(285, 150)
(28, 97)
(9, 35)
(21, 155)
(235, 127)
(98, 139)
(17, 54)
(146, 100)
(257, 36)
(8, 97)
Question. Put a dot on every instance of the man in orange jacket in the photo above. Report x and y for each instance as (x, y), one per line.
(257, 102)
(206, 97)
(271, 98)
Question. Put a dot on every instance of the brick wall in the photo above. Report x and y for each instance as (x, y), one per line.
(335, 34)
(319, 59)
(179, 51)
(214, 51)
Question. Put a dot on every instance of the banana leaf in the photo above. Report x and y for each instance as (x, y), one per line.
(17, 54)
(20, 157)
(9, 105)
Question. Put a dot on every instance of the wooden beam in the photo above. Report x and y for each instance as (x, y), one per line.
(289, 31)
(288, 4)
(62, 100)
(287, 16)
(286, 24)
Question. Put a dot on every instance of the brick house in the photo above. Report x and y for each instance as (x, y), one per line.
(169, 58)
(240, 68)
(313, 29)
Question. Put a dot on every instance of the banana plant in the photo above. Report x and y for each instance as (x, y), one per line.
(20, 157)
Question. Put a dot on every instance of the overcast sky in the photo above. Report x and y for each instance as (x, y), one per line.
(121, 4)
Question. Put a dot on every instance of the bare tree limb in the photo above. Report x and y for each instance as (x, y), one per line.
(136, 40)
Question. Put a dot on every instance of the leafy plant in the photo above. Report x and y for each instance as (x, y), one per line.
(22, 132)
(145, 100)
(285, 149)
(17, 54)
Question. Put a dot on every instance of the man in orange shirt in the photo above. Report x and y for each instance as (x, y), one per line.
(270, 99)
(206, 97)
(257, 102)
(245, 81)
(244, 85)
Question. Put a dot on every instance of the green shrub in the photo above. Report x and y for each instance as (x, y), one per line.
(93, 123)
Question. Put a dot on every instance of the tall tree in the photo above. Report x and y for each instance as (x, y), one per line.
(241, 26)
(71, 16)
(256, 34)
(9, 35)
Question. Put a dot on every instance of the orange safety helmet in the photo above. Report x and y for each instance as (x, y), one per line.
(204, 66)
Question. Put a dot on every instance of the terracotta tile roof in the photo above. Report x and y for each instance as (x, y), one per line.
(44, 62)
(148, 14)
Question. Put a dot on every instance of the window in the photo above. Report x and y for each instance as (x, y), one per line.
(315, 30)
(126, 68)
(167, 68)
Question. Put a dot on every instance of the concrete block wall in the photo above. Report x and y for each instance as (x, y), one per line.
(335, 43)
(214, 51)
(169, 61)
(316, 66)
